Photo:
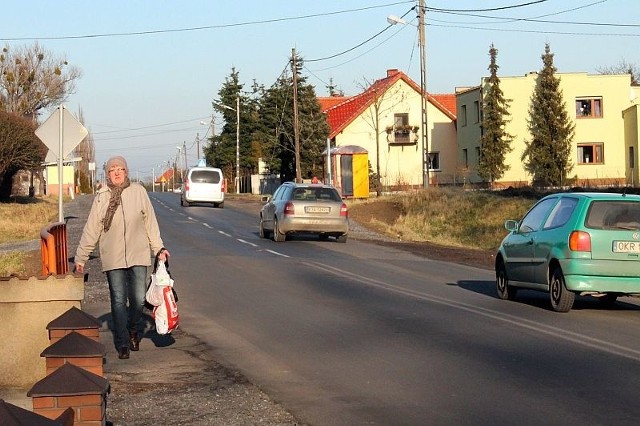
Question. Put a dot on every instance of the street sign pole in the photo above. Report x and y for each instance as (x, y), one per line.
(52, 133)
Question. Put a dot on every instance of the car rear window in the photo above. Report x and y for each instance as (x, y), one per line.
(613, 215)
(205, 176)
(316, 194)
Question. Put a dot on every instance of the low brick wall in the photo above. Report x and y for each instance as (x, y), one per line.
(27, 305)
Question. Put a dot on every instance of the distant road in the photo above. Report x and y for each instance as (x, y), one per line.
(358, 333)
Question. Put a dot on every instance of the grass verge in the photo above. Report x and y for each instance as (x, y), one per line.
(21, 219)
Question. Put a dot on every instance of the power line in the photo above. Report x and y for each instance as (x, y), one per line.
(493, 9)
(208, 27)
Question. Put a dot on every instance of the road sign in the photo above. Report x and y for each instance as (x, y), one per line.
(61, 124)
(61, 133)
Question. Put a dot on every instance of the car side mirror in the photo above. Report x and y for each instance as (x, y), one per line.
(266, 198)
(511, 225)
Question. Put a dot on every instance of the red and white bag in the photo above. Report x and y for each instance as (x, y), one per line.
(166, 314)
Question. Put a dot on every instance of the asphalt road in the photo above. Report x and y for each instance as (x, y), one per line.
(358, 333)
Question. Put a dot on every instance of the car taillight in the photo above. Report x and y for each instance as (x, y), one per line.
(580, 241)
(224, 185)
(289, 209)
(186, 184)
(343, 210)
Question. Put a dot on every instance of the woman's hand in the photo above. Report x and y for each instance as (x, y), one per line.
(163, 255)
(79, 268)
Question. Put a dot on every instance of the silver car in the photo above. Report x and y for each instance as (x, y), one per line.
(304, 208)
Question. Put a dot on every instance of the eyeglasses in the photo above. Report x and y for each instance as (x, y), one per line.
(117, 170)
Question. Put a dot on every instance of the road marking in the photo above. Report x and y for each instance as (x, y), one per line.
(276, 253)
(577, 338)
(247, 242)
(207, 225)
(224, 233)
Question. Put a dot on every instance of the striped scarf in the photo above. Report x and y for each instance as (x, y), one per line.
(114, 202)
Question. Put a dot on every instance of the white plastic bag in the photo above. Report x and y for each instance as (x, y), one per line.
(159, 279)
(166, 314)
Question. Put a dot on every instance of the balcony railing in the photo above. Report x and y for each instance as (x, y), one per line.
(404, 135)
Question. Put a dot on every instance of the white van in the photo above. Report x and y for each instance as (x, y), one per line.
(203, 185)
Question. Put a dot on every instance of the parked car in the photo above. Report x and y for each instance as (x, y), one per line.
(203, 185)
(304, 208)
(573, 243)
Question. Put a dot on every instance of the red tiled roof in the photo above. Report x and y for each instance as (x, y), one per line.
(340, 113)
(331, 101)
(167, 175)
(447, 101)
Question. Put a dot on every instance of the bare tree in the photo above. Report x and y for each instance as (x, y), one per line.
(383, 100)
(87, 152)
(623, 67)
(33, 79)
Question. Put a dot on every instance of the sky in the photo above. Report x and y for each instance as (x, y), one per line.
(151, 69)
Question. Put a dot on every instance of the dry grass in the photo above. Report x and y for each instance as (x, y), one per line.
(13, 263)
(454, 217)
(22, 219)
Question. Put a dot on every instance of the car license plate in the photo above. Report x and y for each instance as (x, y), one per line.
(315, 209)
(626, 246)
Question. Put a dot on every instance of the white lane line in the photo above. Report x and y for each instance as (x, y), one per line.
(276, 253)
(207, 225)
(224, 233)
(247, 242)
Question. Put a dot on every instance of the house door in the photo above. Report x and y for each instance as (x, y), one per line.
(346, 169)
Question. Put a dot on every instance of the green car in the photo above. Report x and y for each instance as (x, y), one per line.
(573, 243)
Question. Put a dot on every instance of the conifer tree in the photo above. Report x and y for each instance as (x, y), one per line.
(495, 142)
(277, 132)
(547, 155)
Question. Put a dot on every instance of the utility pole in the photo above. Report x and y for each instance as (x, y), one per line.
(296, 131)
(197, 147)
(424, 94)
(184, 151)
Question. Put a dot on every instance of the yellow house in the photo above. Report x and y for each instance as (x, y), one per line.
(52, 179)
(604, 109)
(385, 120)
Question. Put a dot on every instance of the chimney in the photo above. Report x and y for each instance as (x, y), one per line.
(392, 72)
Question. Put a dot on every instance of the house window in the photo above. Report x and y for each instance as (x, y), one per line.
(589, 108)
(465, 158)
(591, 153)
(463, 115)
(400, 120)
(477, 155)
(434, 161)
(476, 111)
(402, 129)
(632, 158)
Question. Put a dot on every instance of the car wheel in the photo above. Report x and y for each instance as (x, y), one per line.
(505, 291)
(323, 237)
(561, 298)
(263, 232)
(341, 238)
(608, 299)
(219, 205)
(278, 237)
(184, 203)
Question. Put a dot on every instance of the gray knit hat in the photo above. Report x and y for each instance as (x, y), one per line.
(117, 161)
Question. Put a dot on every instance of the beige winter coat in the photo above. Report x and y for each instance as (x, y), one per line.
(134, 236)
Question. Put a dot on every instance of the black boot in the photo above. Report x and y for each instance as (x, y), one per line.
(134, 341)
(123, 352)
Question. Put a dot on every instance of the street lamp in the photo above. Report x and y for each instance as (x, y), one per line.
(237, 110)
(392, 19)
